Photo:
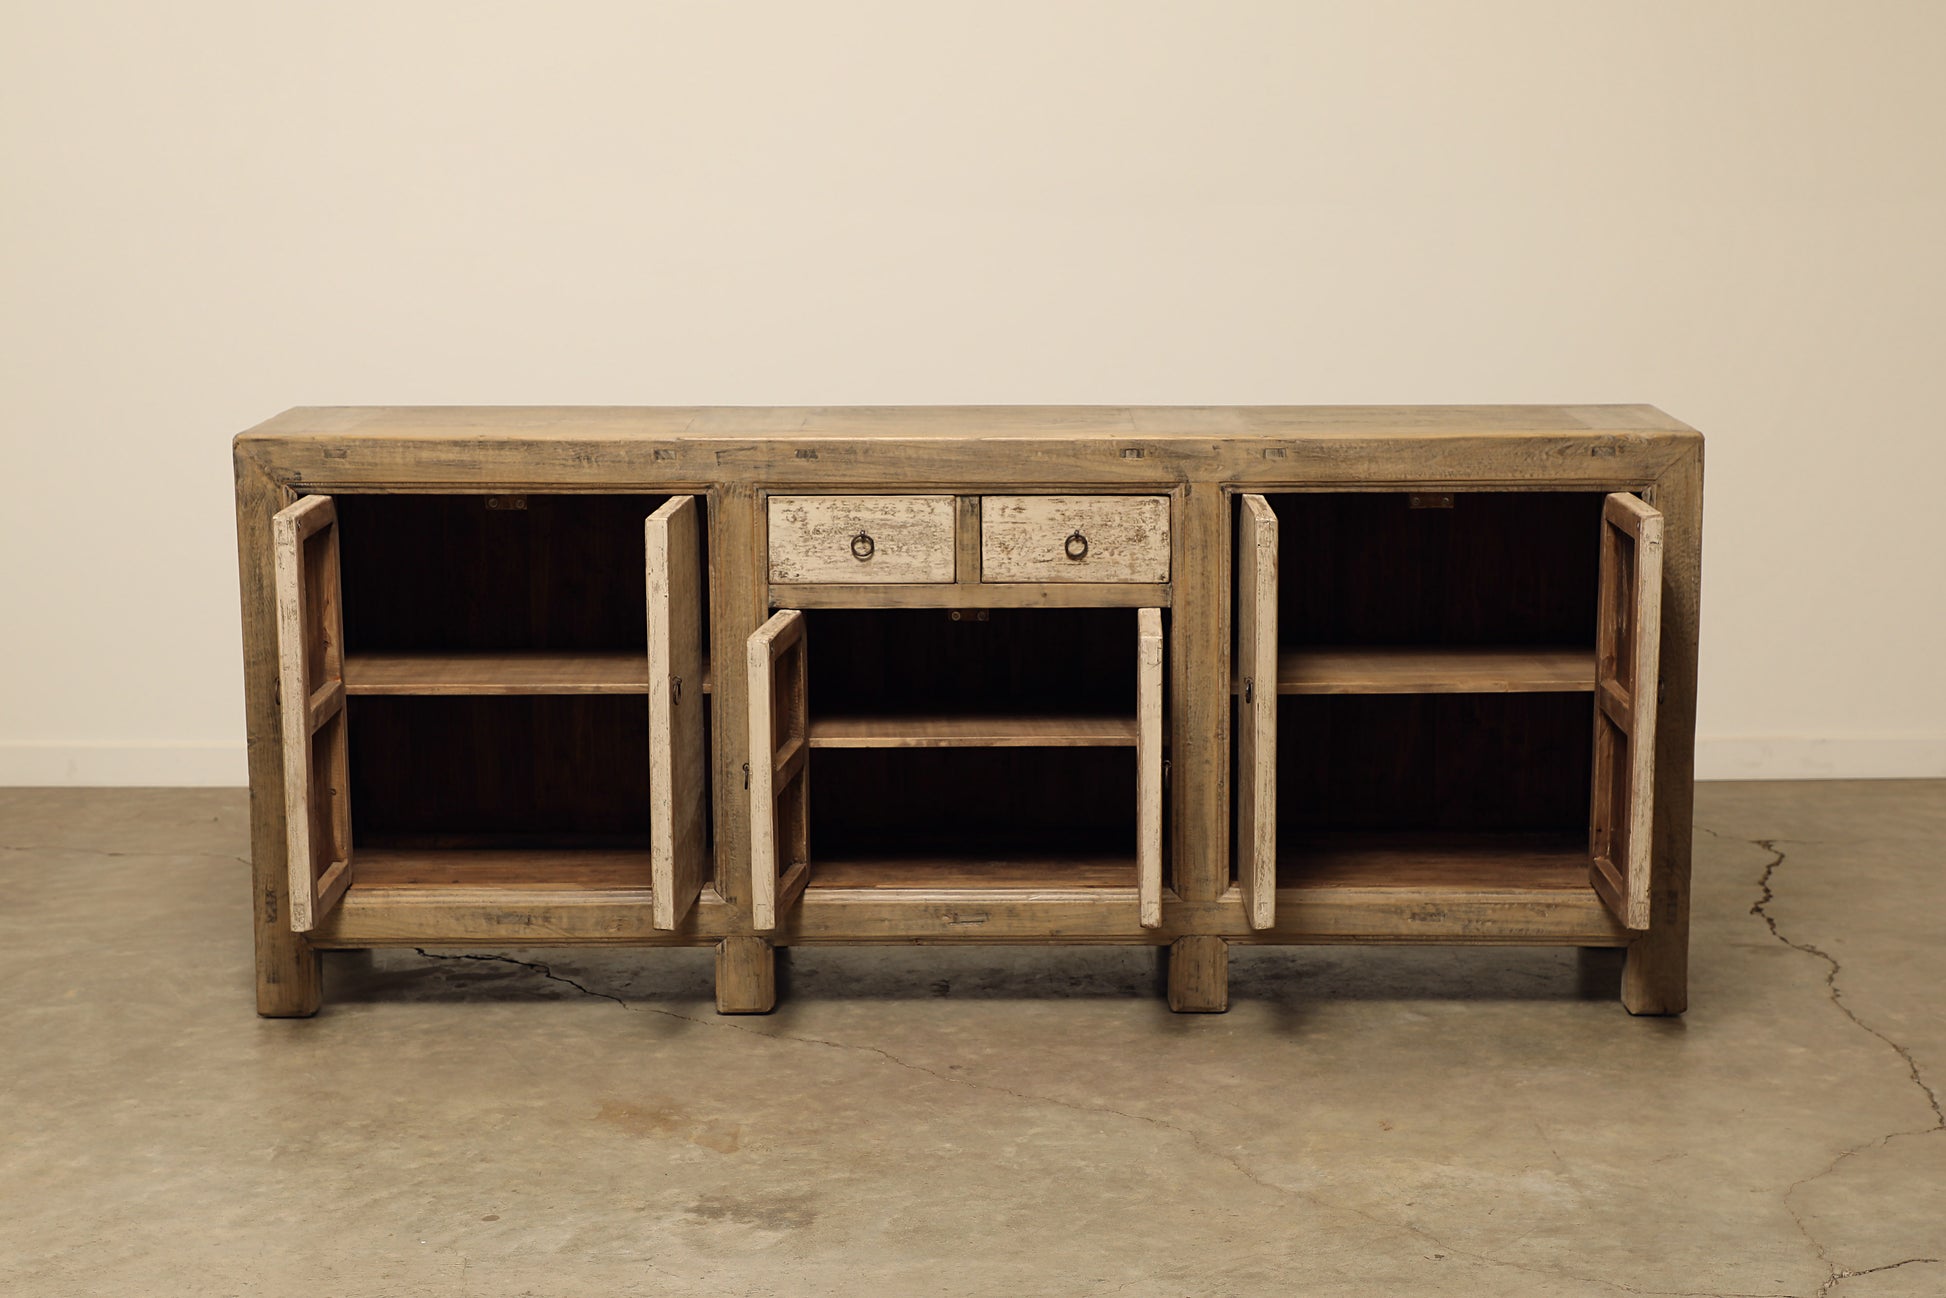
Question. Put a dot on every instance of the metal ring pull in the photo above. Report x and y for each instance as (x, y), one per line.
(862, 546)
(1076, 546)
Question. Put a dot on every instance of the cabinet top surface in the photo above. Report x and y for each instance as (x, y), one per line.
(792, 423)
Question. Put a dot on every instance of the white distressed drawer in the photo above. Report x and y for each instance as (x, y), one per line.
(1074, 538)
(844, 539)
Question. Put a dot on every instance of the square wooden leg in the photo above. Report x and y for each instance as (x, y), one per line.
(290, 975)
(1198, 975)
(1655, 976)
(746, 976)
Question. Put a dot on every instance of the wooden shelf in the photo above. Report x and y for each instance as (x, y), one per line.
(590, 672)
(1050, 873)
(543, 869)
(1436, 669)
(972, 732)
(1436, 861)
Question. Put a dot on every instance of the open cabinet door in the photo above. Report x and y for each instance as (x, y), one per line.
(1628, 643)
(311, 699)
(779, 773)
(1256, 651)
(678, 744)
(1148, 764)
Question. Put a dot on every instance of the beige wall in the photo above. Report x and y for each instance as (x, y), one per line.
(1736, 211)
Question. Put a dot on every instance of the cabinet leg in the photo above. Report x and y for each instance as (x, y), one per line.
(1655, 975)
(1198, 974)
(746, 976)
(290, 974)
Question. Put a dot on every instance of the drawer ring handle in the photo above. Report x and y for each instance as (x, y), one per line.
(1077, 546)
(862, 546)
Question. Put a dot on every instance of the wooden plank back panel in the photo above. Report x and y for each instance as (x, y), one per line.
(530, 573)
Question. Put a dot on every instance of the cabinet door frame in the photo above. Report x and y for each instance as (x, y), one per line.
(1148, 764)
(679, 846)
(1256, 694)
(1628, 651)
(779, 770)
(311, 702)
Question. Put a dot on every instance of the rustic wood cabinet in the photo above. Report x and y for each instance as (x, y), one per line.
(1182, 677)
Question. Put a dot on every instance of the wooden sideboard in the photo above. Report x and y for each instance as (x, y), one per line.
(763, 677)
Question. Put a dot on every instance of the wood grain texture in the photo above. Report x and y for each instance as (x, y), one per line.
(860, 540)
(439, 425)
(1655, 977)
(1074, 539)
(605, 870)
(1255, 779)
(1436, 669)
(1051, 448)
(1443, 861)
(1042, 873)
(1493, 568)
(677, 604)
(1195, 456)
(452, 573)
(1199, 717)
(1198, 975)
(1627, 651)
(615, 671)
(737, 582)
(778, 729)
(1148, 764)
(289, 982)
(1028, 731)
(746, 976)
(567, 915)
(975, 595)
(310, 656)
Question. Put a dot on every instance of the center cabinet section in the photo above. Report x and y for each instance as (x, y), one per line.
(957, 750)
(1437, 698)
(494, 696)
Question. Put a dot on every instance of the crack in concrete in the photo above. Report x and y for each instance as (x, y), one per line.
(1835, 1274)
(1196, 1138)
(1841, 1275)
(1761, 909)
(535, 965)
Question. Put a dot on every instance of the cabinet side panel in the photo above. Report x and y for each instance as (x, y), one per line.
(289, 979)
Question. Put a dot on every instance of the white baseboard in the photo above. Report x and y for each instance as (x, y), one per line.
(1864, 757)
(26, 763)
(122, 765)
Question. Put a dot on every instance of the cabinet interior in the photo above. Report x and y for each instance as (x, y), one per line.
(962, 748)
(1435, 677)
(496, 667)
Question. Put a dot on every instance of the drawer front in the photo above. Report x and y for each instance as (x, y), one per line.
(845, 539)
(1074, 538)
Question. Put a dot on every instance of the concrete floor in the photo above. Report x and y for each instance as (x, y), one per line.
(1387, 1122)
